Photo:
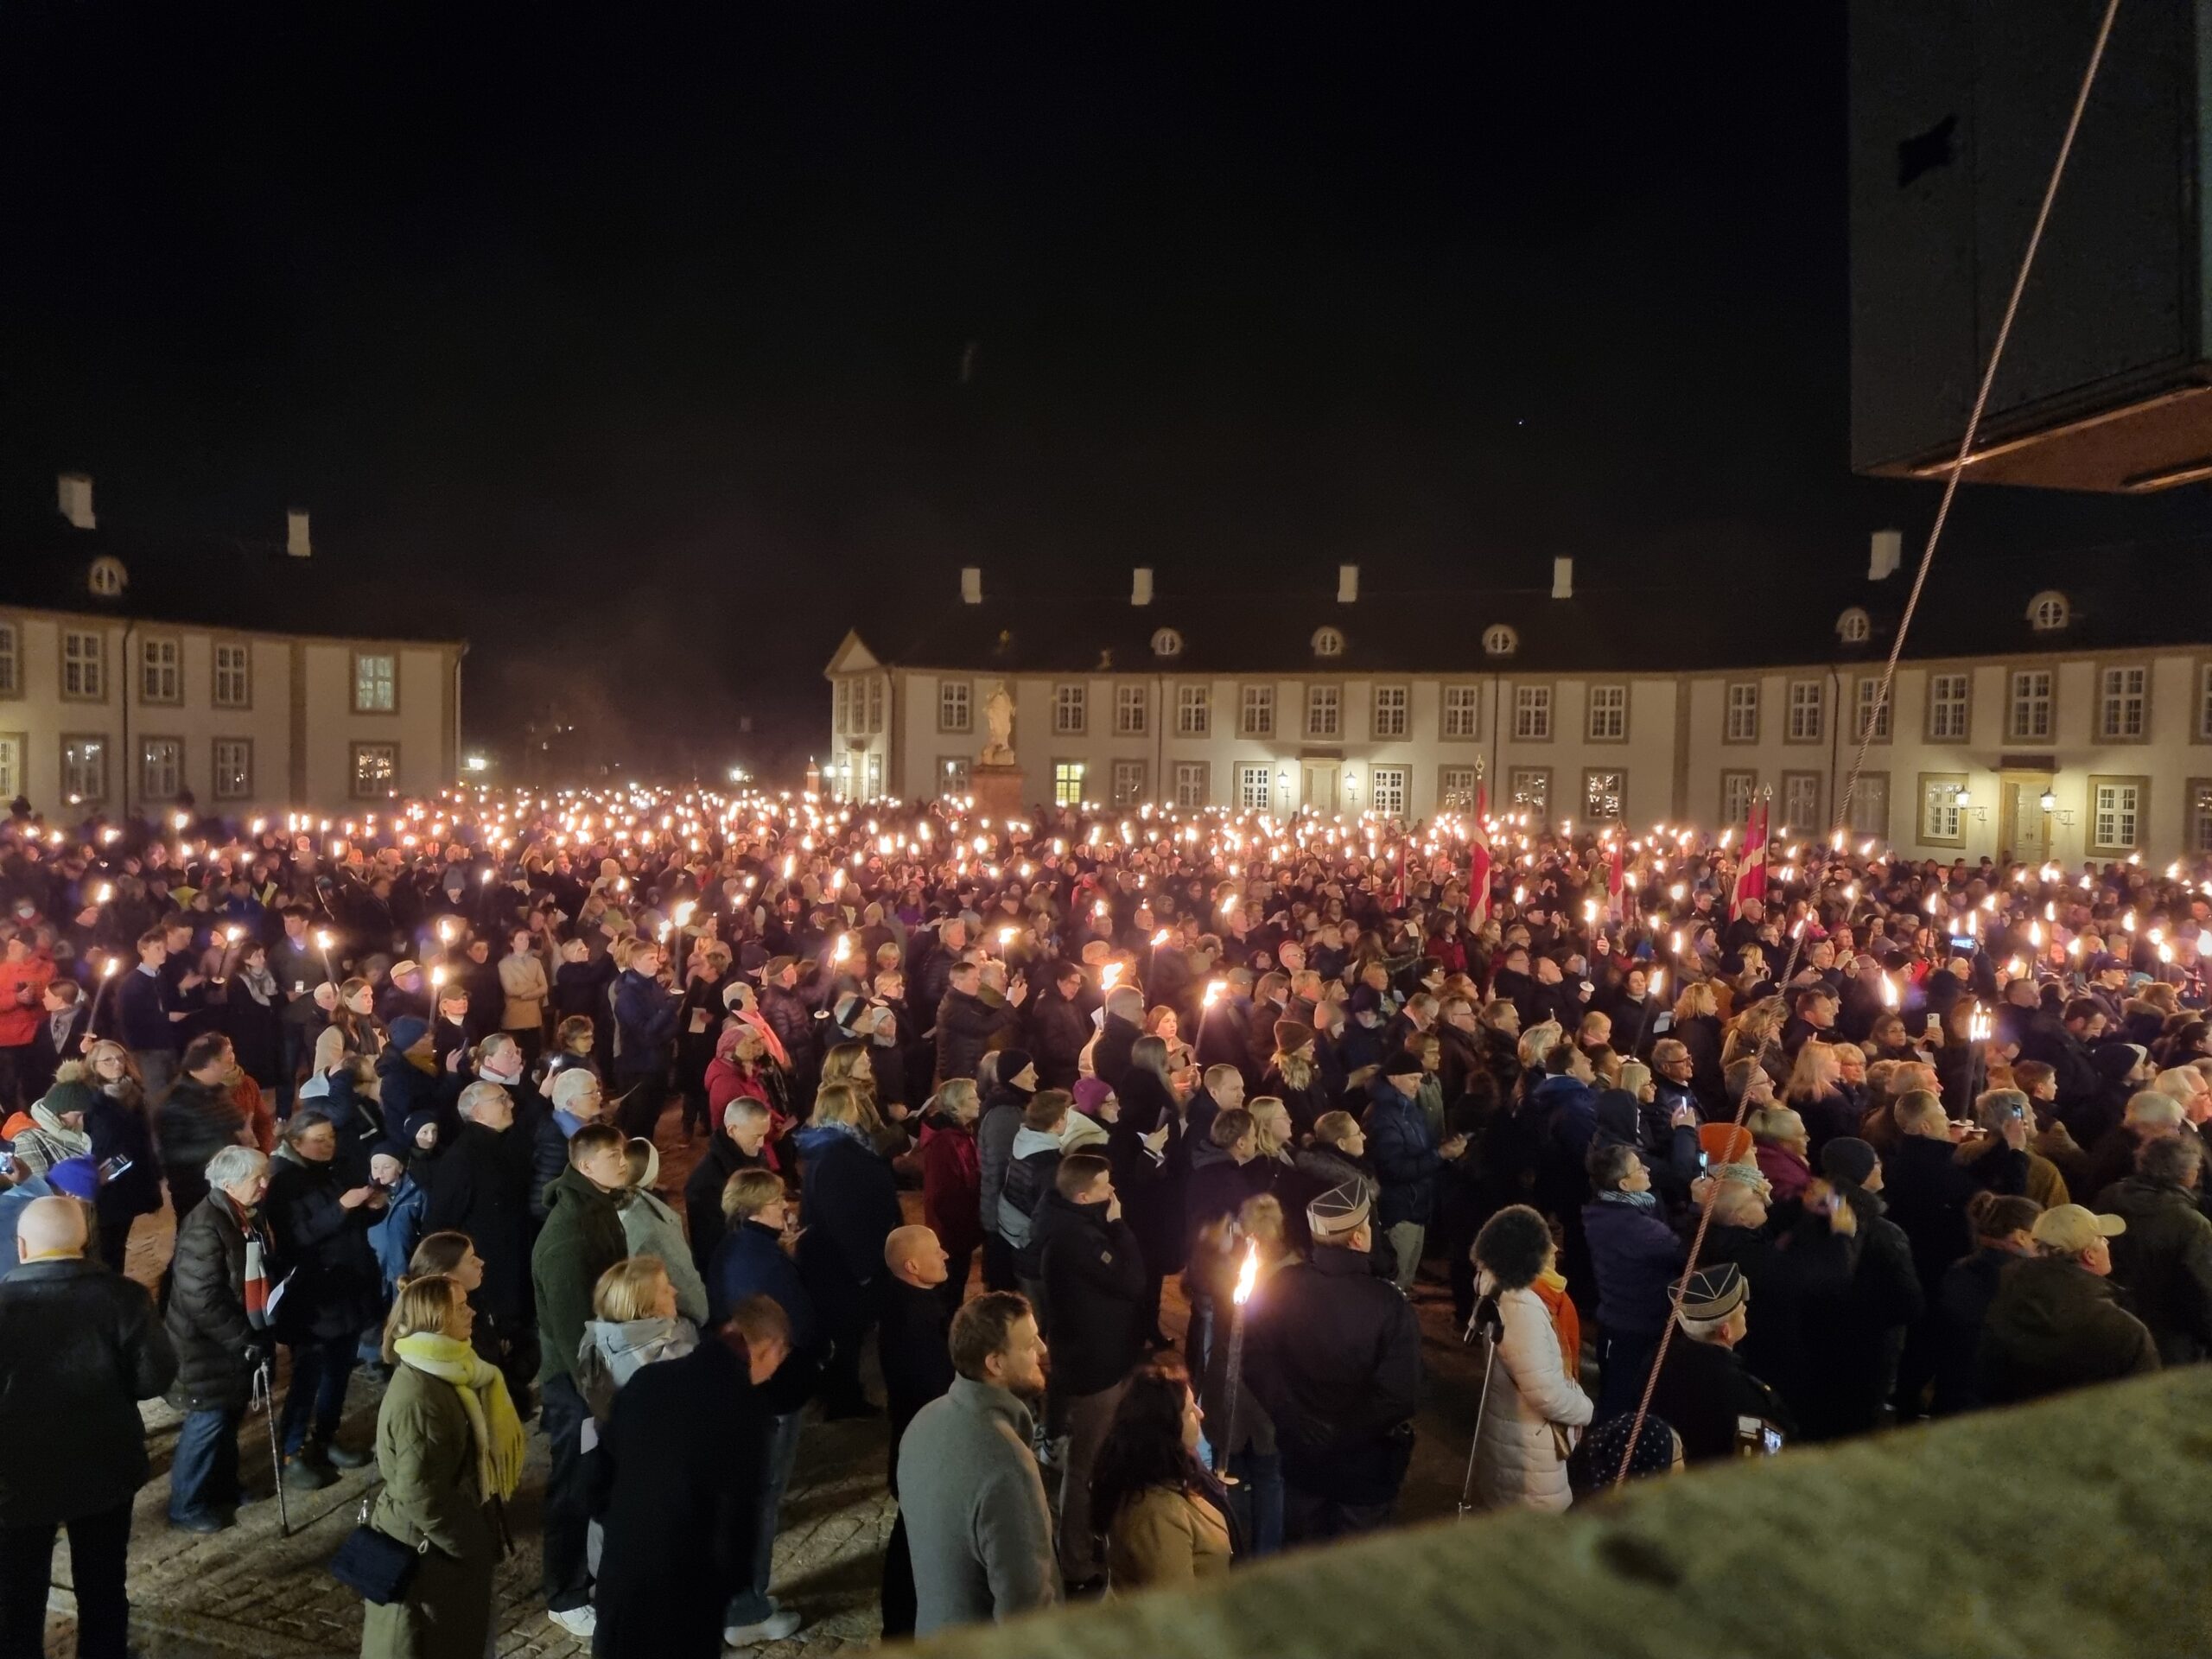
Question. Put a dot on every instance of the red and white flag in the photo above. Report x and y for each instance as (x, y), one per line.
(1615, 870)
(1751, 875)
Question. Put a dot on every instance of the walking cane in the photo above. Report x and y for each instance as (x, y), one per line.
(1487, 1319)
(265, 1397)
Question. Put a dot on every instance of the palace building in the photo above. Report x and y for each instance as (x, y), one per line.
(2049, 708)
(256, 675)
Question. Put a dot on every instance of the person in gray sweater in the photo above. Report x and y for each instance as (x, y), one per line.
(976, 1520)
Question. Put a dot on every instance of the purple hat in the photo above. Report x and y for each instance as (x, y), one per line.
(1092, 1093)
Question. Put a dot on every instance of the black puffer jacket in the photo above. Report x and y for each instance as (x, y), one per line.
(195, 1122)
(216, 1349)
(84, 1349)
(336, 1286)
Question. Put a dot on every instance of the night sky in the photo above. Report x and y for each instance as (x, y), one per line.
(634, 342)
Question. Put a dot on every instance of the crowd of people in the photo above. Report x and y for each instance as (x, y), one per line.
(1708, 1148)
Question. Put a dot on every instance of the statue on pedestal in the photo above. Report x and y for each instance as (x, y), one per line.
(998, 720)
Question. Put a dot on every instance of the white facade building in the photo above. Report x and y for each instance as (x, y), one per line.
(123, 684)
(2027, 716)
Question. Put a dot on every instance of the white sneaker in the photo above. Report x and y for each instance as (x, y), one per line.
(577, 1621)
(774, 1627)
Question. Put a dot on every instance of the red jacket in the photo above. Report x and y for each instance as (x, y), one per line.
(22, 986)
(953, 1186)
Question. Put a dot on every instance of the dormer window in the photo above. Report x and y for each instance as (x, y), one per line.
(1327, 642)
(107, 577)
(2048, 612)
(1499, 640)
(1853, 626)
(1168, 643)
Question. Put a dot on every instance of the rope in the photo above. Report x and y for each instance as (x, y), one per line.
(1889, 672)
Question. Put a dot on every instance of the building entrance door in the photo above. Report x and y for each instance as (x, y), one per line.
(2025, 829)
(1321, 785)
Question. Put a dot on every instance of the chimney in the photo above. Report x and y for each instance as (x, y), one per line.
(1347, 584)
(1141, 586)
(971, 584)
(1884, 554)
(1562, 578)
(76, 499)
(296, 535)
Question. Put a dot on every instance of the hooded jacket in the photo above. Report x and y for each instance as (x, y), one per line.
(614, 1352)
(1034, 1159)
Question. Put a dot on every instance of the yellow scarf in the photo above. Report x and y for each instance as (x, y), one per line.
(483, 1391)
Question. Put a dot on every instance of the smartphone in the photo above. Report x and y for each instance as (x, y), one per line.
(1705, 1160)
(1935, 1022)
(8, 1166)
(114, 1167)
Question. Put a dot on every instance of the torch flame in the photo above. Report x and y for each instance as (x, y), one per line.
(1248, 1275)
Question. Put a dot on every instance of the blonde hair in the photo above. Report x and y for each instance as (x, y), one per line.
(955, 1095)
(1261, 1218)
(749, 1191)
(1539, 1040)
(1776, 1126)
(420, 1306)
(1698, 998)
(1817, 1066)
(629, 1290)
(837, 1102)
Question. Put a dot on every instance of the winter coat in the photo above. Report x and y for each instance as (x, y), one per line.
(480, 1186)
(994, 1132)
(1798, 1261)
(977, 1524)
(22, 986)
(1164, 1536)
(1702, 1389)
(1109, 1055)
(398, 1229)
(1406, 1160)
(117, 1128)
(645, 1028)
(1057, 1033)
(1034, 1160)
(1636, 1258)
(1787, 1173)
(581, 1239)
(651, 1228)
(1094, 1277)
(1321, 1169)
(952, 1183)
(428, 1461)
(1855, 1335)
(702, 1196)
(750, 1261)
(85, 1347)
(1304, 1102)
(1520, 1452)
(851, 1206)
(917, 1364)
(523, 990)
(2055, 1325)
(1962, 1306)
(967, 1027)
(335, 1289)
(256, 1029)
(1152, 1189)
(1926, 1189)
(196, 1121)
(679, 1480)
(216, 1349)
(1333, 1353)
(2164, 1261)
(614, 1352)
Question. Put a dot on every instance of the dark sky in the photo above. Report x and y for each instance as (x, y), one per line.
(631, 340)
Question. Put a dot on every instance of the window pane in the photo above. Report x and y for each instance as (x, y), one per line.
(1253, 788)
(1067, 782)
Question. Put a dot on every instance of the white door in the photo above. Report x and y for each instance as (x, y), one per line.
(1321, 785)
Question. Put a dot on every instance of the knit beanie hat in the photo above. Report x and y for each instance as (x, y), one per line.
(1848, 1158)
(1291, 1035)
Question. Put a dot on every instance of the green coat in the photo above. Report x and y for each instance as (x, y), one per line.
(581, 1239)
(428, 1459)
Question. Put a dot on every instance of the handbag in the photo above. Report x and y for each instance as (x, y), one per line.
(375, 1565)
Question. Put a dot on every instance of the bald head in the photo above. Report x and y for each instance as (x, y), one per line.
(915, 1257)
(50, 1228)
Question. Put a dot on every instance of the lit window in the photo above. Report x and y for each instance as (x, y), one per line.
(375, 683)
(1499, 640)
(1327, 642)
(107, 577)
(1168, 643)
(2049, 612)
(1067, 782)
(1853, 626)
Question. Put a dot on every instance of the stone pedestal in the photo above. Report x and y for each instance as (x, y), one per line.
(998, 793)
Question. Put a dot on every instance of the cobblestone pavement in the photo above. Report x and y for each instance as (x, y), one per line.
(251, 1591)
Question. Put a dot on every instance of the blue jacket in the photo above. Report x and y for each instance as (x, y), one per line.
(1406, 1161)
(750, 1261)
(1636, 1258)
(1569, 1107)
(644, 1024)
(395, 1236)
